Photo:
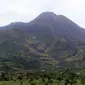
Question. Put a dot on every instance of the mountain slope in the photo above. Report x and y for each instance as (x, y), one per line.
(48, 41)
(52, 25)
(59, 26)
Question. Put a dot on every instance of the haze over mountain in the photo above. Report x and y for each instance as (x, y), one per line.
(48, 41)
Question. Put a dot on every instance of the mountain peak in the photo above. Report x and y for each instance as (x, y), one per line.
(48, 18)
(45, 17)
(51, 14)
(47, 14)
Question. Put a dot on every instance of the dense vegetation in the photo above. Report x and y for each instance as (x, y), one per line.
(58, 77)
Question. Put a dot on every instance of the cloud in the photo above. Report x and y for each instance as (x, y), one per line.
(26, 10)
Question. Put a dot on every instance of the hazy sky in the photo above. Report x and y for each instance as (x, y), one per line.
(26, 10)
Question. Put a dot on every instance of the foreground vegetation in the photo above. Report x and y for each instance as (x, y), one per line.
(59, 77)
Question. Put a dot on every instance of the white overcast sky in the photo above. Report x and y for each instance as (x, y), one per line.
(26, 10)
